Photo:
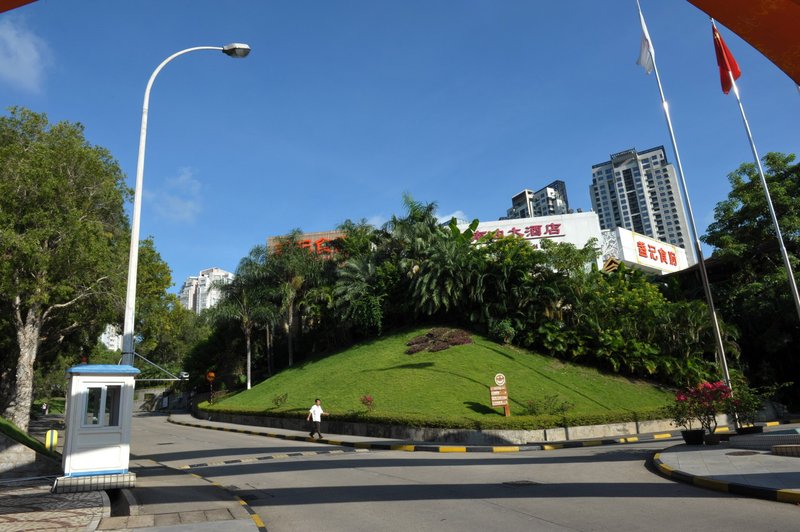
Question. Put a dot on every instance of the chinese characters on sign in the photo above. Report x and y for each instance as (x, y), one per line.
(319, 246)
(656, 253)
(528, 232)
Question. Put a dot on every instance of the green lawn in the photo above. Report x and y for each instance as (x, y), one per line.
(55, 405)
(448, 388)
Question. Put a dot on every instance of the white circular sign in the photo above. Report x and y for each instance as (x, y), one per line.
(500, 379)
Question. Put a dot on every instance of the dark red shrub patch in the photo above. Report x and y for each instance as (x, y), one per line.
(438, 339)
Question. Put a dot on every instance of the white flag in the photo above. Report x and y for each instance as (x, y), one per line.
(646, 54)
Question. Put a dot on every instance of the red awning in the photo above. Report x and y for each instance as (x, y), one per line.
(771, 26)
(8, 5)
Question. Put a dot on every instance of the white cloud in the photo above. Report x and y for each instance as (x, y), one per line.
(460, 216)
(180, 197)
(377, 221)
(23, 56)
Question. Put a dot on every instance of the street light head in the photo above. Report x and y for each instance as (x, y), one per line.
(236, 49)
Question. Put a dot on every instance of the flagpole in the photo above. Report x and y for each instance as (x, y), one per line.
(690, 214)
(784, 253)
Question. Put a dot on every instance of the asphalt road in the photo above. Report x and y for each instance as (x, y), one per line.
(340, 489)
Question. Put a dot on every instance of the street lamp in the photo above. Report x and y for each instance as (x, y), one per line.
(238, 50)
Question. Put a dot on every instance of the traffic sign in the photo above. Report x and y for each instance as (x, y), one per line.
(210, 376)
(500, 379)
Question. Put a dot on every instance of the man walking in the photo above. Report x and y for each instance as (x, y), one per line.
(315, 414)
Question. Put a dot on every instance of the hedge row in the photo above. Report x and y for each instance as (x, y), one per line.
(520, 422)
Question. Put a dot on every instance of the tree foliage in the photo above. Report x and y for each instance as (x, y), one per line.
(62, 235)
(416, 269)
(754, 294)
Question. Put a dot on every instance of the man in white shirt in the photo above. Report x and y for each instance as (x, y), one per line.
(315, 414)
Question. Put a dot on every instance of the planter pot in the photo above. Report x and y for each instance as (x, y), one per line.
(693, 437)
(711, 439)
(755, 429)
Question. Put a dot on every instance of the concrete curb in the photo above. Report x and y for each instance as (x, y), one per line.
(128, 504)
(432, 447)
(758, 492)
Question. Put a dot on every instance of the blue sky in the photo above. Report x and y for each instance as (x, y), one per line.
(345, 105)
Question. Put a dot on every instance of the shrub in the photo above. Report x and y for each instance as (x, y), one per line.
(503, 331)
(438, 339)
(416, 348)
(437, 345)
(279, 400)
(701, 403)
(368, 401)
(423, 339)
(550, 405)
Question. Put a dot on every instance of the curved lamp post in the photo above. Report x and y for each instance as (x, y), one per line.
(232, 50)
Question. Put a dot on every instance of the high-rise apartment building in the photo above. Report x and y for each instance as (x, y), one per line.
(200, 293)
(548, 201)
(639, 191)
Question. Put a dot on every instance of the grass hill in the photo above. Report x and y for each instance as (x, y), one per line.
(449, 388)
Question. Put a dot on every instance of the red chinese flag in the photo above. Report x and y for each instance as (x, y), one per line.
(725, 61)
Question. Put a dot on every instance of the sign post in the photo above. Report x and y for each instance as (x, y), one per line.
(499, 394)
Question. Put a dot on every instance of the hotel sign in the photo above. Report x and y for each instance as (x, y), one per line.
(528, 232)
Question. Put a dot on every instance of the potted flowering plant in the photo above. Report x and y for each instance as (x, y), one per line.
(684, 415)
(711, 399)
(700, 403)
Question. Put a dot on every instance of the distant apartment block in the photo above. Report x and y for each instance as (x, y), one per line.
(548, 201)
(639, 191)
(200, 293)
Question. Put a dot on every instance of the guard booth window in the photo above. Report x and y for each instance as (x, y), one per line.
(105, 400)
(113, 394)
(92, 414)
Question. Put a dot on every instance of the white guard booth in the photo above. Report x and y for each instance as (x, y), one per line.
(98, 428)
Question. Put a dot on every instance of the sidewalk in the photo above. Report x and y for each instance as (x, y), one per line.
(741, 471)
(27, 504)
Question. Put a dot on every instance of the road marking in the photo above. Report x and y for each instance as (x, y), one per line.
(792, 496)
(277, 456)
(506, 449)
(452, 449)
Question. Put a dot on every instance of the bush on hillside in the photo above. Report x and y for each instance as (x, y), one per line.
(438, 339)
(552, 405)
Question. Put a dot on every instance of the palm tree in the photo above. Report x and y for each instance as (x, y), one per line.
(245, 300)
(295, 271)
(237, 304)
(355, 295)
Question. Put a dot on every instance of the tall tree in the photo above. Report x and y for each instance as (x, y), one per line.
(755, 294)
(243, 300)
(295, 271)
(62, 235)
